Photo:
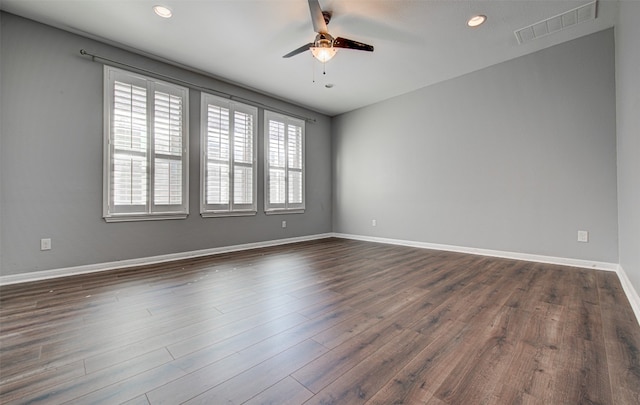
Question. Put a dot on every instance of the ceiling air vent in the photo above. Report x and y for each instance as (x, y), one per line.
(557, 23)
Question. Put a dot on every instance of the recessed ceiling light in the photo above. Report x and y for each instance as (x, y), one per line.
(476, 20)
(162, 11)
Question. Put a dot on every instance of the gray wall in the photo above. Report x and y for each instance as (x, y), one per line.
(516, 157)
(628, 121)
(51, 162)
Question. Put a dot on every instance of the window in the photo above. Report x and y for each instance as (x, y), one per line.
(146, 148)
(284, 164)
(228, 165)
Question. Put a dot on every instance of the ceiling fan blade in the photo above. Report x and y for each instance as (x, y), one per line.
(299, 50)
(351, 44)
(317, 18)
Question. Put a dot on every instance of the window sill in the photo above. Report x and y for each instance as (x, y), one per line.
(228, 214)
(280, 212)
(144, 217)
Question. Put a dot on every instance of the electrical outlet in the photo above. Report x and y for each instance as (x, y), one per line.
(45, 244)
(374, 222)
(284, 224)
(583, 236)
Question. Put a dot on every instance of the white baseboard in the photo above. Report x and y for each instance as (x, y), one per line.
(93, 268)
(632, 294)
(587, 264)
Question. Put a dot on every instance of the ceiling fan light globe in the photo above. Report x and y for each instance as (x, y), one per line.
(323, 54)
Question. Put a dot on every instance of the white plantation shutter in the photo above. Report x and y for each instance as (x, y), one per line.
(217, 153)
(277, 166)
(284, 163)
(294, 154)
(228, 163)
(167, 139)
(243, 139)
(145, 148)
(129, 185)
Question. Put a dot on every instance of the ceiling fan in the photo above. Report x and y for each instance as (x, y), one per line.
(324, 46)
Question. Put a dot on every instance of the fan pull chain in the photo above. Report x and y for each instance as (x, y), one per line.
(313, 69)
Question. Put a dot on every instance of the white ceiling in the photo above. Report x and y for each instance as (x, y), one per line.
(417, 43)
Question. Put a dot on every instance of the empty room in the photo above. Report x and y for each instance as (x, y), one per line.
(319, 202)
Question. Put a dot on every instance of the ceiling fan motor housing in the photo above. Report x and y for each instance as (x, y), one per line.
(323, 41)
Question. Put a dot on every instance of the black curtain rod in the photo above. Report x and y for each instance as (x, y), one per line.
(174, 80)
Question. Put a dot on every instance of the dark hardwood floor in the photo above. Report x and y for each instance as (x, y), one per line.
(325, 322)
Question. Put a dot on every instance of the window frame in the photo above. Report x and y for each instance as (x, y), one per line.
(231, 208)
(287, 207)
(149, 210)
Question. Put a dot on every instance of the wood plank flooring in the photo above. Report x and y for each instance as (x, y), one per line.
(331, 321)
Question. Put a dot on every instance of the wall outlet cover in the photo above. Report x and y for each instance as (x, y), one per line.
(583, 236)
(45, 244)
